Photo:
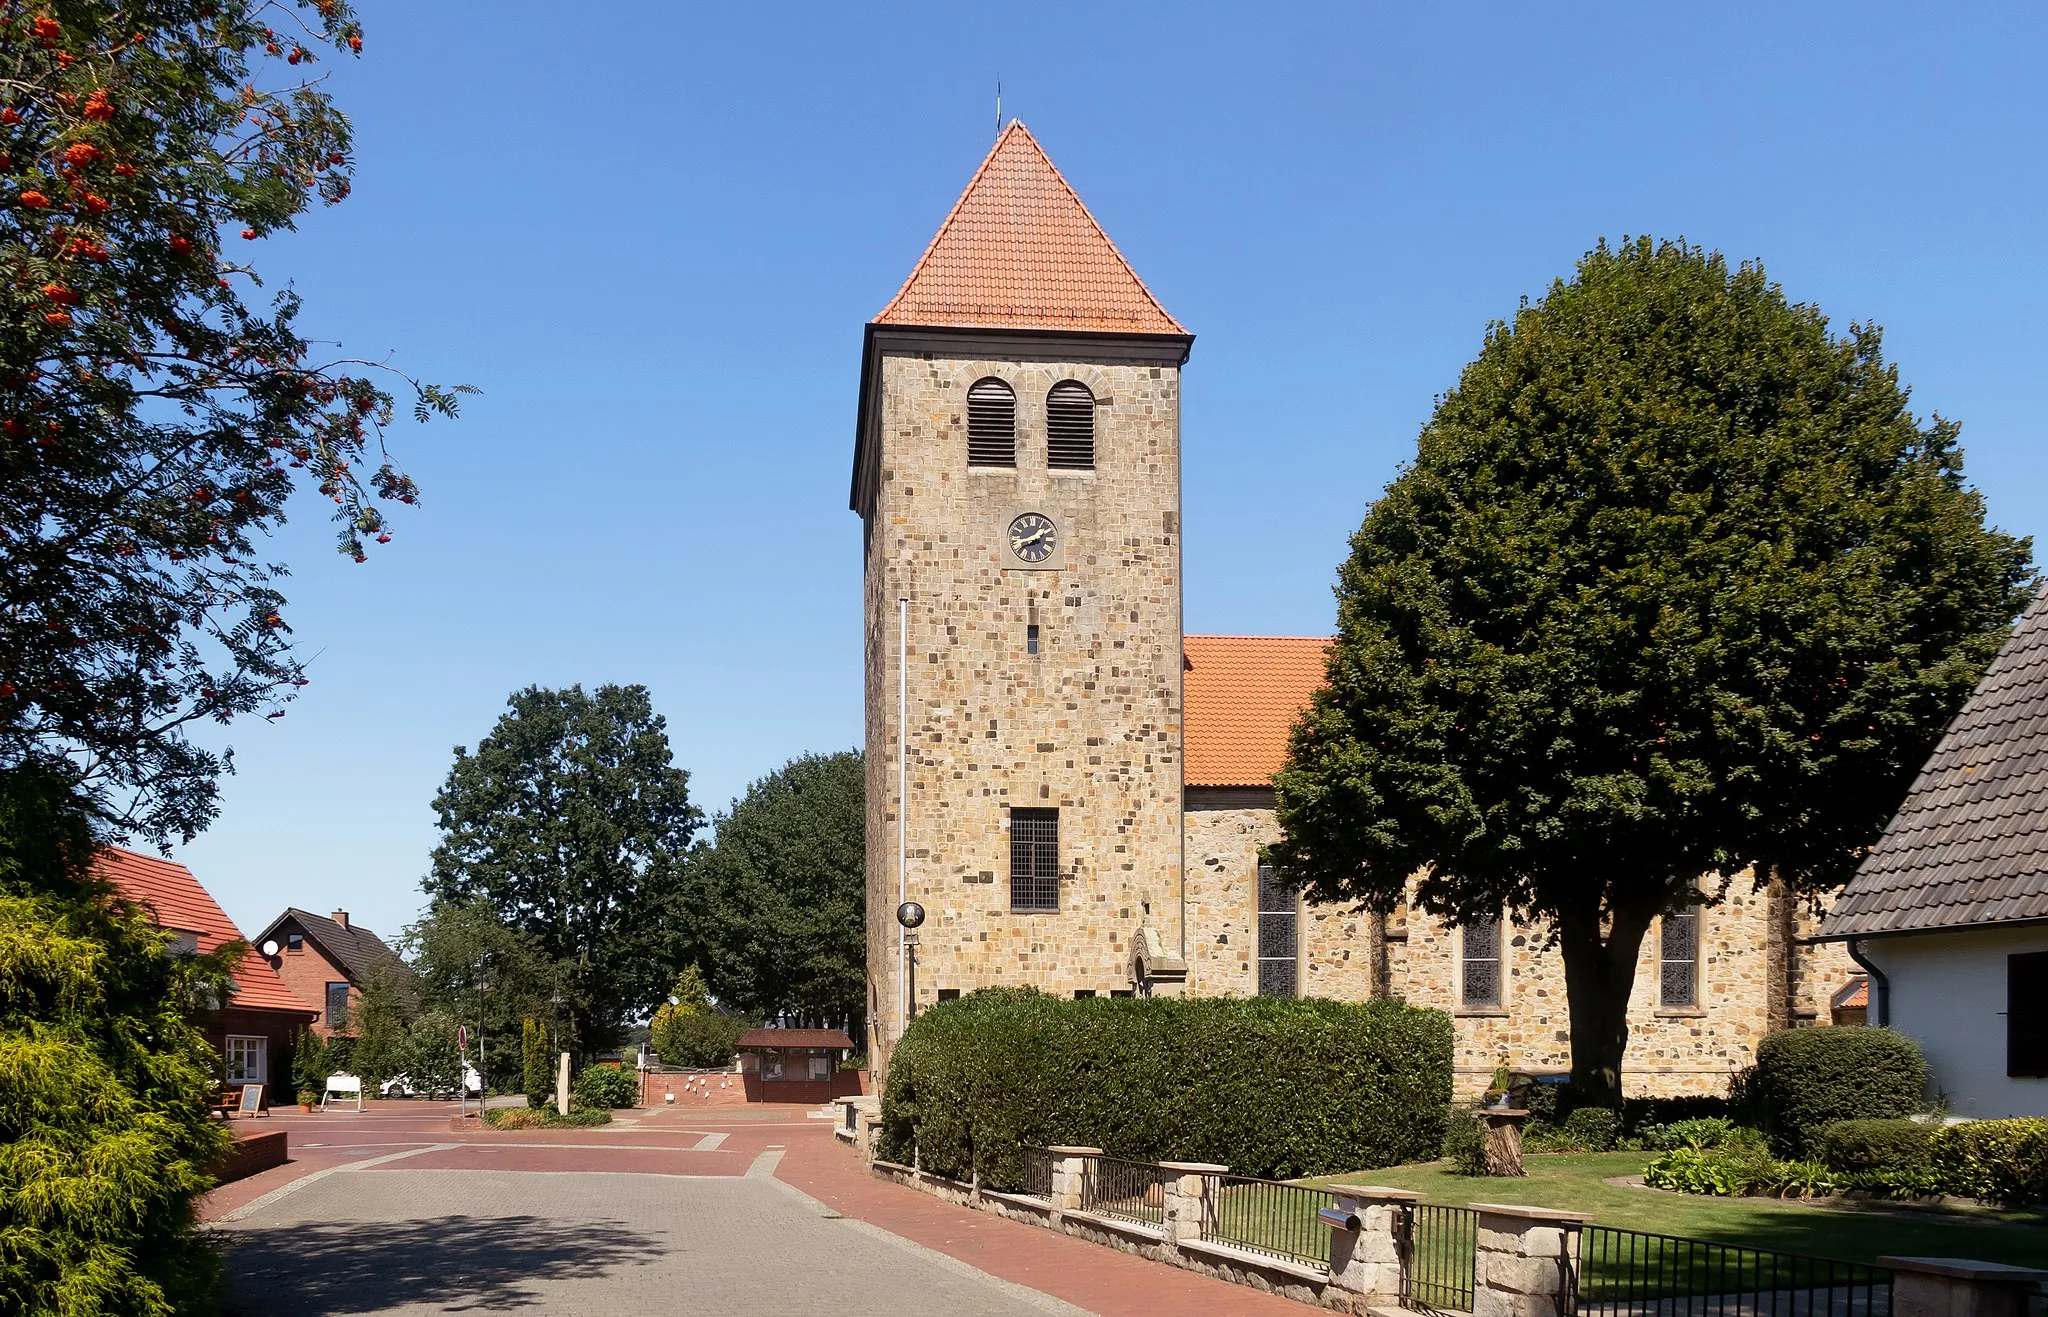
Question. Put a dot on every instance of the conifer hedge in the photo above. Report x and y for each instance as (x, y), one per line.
(1268, 1087)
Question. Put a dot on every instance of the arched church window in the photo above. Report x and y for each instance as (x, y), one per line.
(1070, 427)
(991, 424)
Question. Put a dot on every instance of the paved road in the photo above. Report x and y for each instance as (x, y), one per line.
(392, 1240)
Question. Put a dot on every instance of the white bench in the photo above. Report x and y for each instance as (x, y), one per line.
(343, 1086)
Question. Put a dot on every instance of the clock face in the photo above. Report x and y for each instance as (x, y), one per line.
(1033, 537)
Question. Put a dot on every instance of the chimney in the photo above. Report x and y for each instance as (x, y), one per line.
(340, 917)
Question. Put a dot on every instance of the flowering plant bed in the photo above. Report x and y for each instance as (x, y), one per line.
(526, 1118)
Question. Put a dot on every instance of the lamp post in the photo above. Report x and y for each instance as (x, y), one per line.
(483, 985)
(910, 914)
(555, 1000)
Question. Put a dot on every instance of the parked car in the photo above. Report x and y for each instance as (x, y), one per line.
(402, 1086)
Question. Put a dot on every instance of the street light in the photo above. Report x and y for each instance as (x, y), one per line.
(910, 914)
(555, 1000)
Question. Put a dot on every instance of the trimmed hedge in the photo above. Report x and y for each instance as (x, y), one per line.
(1875, 1145)
(2005, 1161)
(603, 1088)
(1268, 1087)
(1807, 1078)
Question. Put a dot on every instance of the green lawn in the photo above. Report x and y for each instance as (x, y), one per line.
(1854, 1234)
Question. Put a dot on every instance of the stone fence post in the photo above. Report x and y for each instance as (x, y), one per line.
(1191, 1199)
(1367, 1251)
(1959, 1287)
(1069, 1172)
(1527, 1262)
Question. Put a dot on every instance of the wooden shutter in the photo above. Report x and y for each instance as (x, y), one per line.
(2026, 1015)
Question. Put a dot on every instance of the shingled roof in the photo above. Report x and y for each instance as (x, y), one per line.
(176, 902)
(1970, 844)
(356, 949)
(1020, 251)
(1242, 695)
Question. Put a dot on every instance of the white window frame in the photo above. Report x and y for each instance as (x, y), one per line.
(260, 1050)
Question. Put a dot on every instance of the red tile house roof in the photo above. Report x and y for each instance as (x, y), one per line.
(1020, 251)
(1242, 696)
(772, 1037)
(175, 900)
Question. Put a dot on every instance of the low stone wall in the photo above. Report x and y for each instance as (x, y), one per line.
(252, 1152)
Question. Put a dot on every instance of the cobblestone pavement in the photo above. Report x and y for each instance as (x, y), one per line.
(392, 1241)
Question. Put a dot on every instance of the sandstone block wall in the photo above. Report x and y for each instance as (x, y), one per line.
(1089, 725)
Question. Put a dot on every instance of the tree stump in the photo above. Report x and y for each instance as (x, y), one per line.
(1504, 1141)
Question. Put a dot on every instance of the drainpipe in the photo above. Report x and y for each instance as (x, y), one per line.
(1880, 986)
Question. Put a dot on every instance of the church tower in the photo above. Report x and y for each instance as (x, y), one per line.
(1017, 473)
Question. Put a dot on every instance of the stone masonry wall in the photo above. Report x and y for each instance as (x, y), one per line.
(1090, 725)
(1753, 976)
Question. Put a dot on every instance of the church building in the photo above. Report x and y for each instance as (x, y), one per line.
(1073, 790)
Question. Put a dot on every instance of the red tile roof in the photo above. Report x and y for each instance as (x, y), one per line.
(1242, 696)
(1020, 251)
(1856, 994)
(175, 900)
(771, 1037)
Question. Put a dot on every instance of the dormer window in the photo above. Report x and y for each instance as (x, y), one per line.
(1070, 427)
(991, 424)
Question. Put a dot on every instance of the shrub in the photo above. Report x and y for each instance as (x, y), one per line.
(2005, 1161)
(1741, 1164)
(601, 1088)
(1875, 1145)
(1698, 1134)
(1640, 1114)
(1593, 1129)
(513, 1118)
(535, 1077)
(1806, 1078)
(527, 1118)
(1692, 1171)
(701, 1041)
(1465, 1141)
(1269, 1087)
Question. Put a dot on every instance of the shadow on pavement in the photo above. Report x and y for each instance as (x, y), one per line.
(454, 1263)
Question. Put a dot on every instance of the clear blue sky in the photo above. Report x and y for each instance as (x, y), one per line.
(651, 233)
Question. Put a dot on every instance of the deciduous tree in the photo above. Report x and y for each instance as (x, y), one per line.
(1676, 586)
(476, 969)
(571, 822)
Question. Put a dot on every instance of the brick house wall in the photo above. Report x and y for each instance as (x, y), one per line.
(307, 971)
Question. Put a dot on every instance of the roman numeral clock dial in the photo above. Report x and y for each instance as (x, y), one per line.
(1033, 537)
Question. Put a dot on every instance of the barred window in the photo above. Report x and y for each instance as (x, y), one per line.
(991, 424)
(1070, 427)
(1279, 929)
(1678, 958)
(1479, 980)
(1034, 860)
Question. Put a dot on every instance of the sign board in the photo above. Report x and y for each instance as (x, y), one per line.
(252, 1100)
(462, 1039)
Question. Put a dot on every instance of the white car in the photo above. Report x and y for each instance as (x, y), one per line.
(401, 1085)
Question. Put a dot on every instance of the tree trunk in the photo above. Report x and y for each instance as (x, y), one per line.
(1599, 973)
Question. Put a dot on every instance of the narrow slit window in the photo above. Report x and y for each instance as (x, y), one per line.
(991, 424)
(1070, 427)
(1479, 976)
(1031, 638)
(1279, 933)
(1678, 959)
(1034, 861)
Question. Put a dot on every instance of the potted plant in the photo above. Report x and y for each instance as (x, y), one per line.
(308, 1099)
(1497, 1087)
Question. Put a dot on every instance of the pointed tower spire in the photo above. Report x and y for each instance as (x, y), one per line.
(1020, 251)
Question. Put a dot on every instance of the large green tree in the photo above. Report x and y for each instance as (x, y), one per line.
(475, 968)
(1676, 586)
(572, 824)
(153, 421)
(779, 898)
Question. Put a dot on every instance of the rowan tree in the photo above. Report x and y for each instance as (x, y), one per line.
(156, 413)
(1676, 587)
(571, 823)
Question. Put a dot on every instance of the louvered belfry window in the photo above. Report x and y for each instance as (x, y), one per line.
(991, 424)
(1279, 929)
(1034, 860)
(1070, 427)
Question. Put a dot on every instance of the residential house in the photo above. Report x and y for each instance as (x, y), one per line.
(255, 1029)
(1950, 909)
(327, 959)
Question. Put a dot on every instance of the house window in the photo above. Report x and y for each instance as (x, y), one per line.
(337, 1005)
(1031, 638)
(1279, 935)
(246, 1058)
(821, 1067)
(183, 943)
(771, 1066)
(1678, 959)
(2026, 1027)
(1479, 964)
(991, 424)
(1034, 860)
(294, 941)
(1070, 427)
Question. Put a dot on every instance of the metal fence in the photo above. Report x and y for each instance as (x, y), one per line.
(1038, 1173)
(1439, 1250)
(1627, 1273)
(1269, 1216)
(1135, 1191)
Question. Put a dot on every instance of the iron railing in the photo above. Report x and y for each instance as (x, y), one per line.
(1439, 1249)
(1627, 1273)
(1135, 1191)
(1038, 1173)
(1269, 1216)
